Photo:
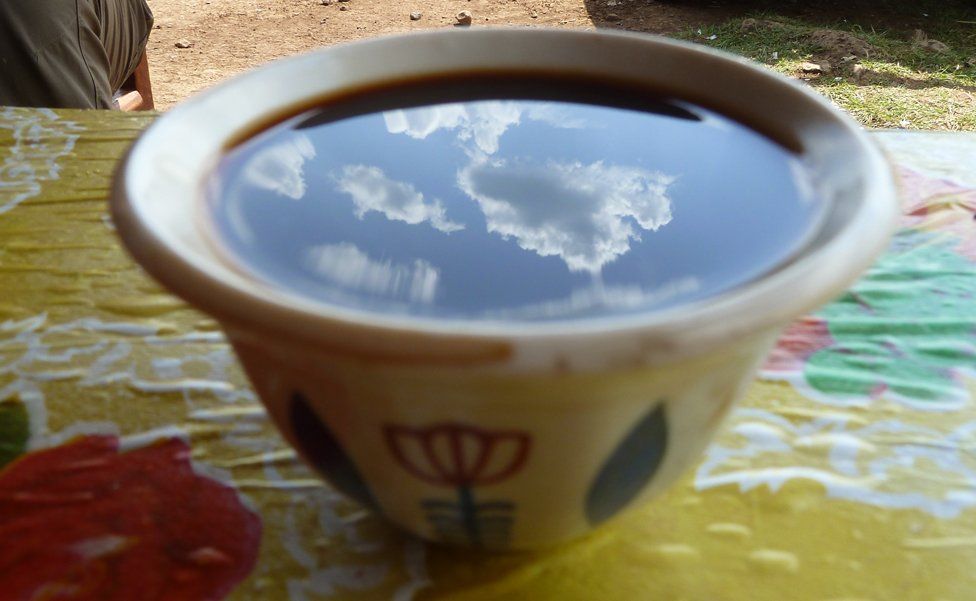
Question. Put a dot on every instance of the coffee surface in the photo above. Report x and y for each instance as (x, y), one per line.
(529, 202)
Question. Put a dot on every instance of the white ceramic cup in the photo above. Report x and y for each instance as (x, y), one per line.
(495, 435)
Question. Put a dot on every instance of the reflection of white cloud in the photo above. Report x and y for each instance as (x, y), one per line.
(554, 115)
(583, 214)
(347, 266)
(483, 122)
(372, 190)
(421, 122)
(618, 298)
(801, 176)
(280, 168)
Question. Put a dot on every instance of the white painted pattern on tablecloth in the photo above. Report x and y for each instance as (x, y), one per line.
(32, 354)
(865, 459)
(29, 361)
(324, 579)
(40, 139)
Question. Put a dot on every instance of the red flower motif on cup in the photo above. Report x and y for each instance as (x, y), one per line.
(457, 455)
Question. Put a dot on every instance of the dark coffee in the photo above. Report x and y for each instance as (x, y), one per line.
(510, 198)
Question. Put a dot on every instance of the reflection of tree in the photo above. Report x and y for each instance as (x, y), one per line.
(582, 213)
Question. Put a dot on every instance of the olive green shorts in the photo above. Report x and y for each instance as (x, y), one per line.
(69, 53)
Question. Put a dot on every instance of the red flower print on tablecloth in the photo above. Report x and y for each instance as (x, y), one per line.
(905, 329)
(85, 522)
(941, 206)
(798, 342)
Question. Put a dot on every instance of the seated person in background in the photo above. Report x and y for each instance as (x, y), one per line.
(69, 53)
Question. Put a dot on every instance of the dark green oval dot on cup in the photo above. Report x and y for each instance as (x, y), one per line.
(326, 454)
(629, 468)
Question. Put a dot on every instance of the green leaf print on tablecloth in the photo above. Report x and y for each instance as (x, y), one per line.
(908, 328)
(14, 430)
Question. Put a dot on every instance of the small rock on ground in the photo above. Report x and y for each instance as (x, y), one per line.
(920, 40)
(612, 17)
(416, 16)
(860, 72)
(812, 68)
(464, 18)
(183, 44)
(934, 46)
(838, 44)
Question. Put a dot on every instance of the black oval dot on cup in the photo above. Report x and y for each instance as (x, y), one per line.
(630, 467)
(325, 453)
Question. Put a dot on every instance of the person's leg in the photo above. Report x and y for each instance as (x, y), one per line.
(125, 30)
(51, 55)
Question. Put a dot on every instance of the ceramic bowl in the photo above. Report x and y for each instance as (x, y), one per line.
(495, 435)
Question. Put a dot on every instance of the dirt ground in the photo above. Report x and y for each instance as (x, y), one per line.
(226, 37)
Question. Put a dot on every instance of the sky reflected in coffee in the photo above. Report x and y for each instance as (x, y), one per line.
(520, 210)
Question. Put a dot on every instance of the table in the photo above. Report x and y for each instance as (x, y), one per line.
(139, 463)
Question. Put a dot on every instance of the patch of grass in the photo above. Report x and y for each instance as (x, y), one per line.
(898, 83)
(769, 45)
(898, 107)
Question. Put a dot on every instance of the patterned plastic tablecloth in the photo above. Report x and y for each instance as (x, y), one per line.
(137, 463)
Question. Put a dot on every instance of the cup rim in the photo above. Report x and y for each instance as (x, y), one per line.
(173, 155)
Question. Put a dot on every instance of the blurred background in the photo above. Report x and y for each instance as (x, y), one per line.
(908, 64)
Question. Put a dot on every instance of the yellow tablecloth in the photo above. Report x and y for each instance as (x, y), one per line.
(138, 463)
